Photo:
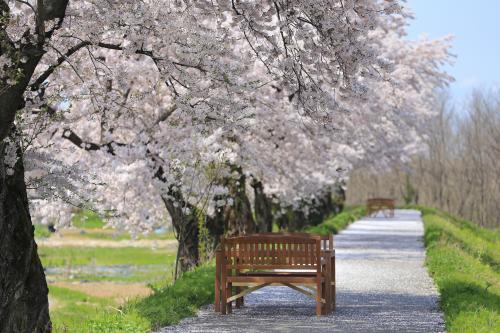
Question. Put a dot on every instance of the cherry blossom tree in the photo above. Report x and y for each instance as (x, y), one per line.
(169, 100)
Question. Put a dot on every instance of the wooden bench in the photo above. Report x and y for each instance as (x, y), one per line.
(301, 261)
(386, 206)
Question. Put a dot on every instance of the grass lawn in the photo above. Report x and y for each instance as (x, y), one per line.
(95, 268)
(87, 219)
(41, 231)
(127, 264)
(102, 256)
(72, 311)
(69, 309)
(464, 260)
(87, 282)
(87, 224)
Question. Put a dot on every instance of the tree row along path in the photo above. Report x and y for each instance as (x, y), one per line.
(382, 286)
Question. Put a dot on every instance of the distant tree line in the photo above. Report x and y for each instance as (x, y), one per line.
(459, 172)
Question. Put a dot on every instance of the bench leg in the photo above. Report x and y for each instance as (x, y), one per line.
(239, 301)
(229, 293)
(318, 297)
(217, 297)
(217, 282)
(223, 306)
(324, 306)
(328, 286)
(334, 286)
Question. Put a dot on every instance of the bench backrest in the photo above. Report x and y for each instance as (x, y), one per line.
(380, 201)
(268, 251)
(326, 241)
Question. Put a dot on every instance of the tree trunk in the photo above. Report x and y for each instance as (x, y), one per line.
(297, 220)
(321, 208)
(263, 209)
(339, 197)
(327, 204)
(279, 217)
(238, 216)
(215, 228)
(185, 222)
(24, 303)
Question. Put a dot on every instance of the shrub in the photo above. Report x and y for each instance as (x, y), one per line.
(334, 224)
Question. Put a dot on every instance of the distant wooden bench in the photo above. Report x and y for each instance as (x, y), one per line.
(386, 206)
(301, 261)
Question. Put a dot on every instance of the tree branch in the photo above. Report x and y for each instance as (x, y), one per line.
(38, 82)
(68, 134)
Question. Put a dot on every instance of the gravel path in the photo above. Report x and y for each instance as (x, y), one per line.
(383, 286)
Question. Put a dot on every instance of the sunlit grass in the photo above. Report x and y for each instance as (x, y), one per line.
(463, 261)
(69, 309)
(87, 219)
(41, 231)
(104, 256)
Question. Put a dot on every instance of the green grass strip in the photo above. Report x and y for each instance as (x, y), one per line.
(462, 260)
(74, 256)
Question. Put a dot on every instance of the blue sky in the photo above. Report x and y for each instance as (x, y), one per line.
(475, 26)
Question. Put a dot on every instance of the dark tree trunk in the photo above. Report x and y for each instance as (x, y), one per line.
(297, 220)
(281, 219)
(317, 212)
(339, 198)
(321, 209)
(327, 206)
(24, 303)
(185, 222)
(238, 216)
(215, 228)
(263, 209)
(23, 289)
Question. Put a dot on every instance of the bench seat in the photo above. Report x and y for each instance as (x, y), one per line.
(295, 278)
